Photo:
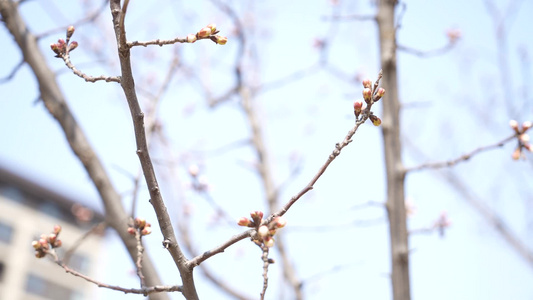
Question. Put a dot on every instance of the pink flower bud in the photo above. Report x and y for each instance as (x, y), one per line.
(367, 95)
(57, 229)
(280, 222)
(131, 230)
(513, 124)
(243, 221)
(57, 244)
(70, 31)
(191, 38)
(139, 222)
(524, 137)
(73, 45)
(204, 32)
(36, 245)
(213, 28)
(380, 92)
(262, 231)
(51, 238)
(55, 48)
(221, 40)
(257, 214)
(526, 125)
(357, 107)
(367, 83)
(529, 147)
(146, 231)
(269, 242)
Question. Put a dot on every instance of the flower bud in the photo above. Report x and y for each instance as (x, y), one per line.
(262, 231)
(36, 245)
(146, 231)
(55, 48)
(70, 31)
(131, 230)
(367, 83)
(213, 28)
(513, 124)
(367, 95)
(380, 92)
(57, 244)
(524, 137)
(243, 221)
(204, 32)
(73, 45)
(52, 238)
(269, 242)
(526, 125)
(280, 222)
(139, 222)
(191, 38)
(57, 229)
(375, 120)
(220, 40)
(529, 147)
(257, 214)
(357, 107)
(40, 254)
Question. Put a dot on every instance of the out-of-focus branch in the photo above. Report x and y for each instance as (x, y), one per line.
(54, 101)
(399, 242)
(354, 17)
(461, 158)
(13, 72)
(427, 53)
(156, 199)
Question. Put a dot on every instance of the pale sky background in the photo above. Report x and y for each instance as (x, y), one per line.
(453, 103)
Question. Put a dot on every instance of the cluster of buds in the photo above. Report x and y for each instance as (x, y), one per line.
(523, 138)
(47, 242)
(210, 31)
(140, 224)
(371, 95)
(62, 47)
(264, 232)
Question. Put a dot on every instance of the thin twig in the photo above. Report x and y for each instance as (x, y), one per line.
(266, 263)
(70, 65)
(95, 229)
(219, 249)
(13, 72)
(461, 158)
(138, 262)
(427, 53)
(143, 291)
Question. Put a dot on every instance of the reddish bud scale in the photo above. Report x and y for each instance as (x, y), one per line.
(243, 221)
(517, 153)
(73, 45)
(191, 38)
(70, 31)
(213, 28)
(357, 108)
(379, 93)
(204, 32)
(375, 120)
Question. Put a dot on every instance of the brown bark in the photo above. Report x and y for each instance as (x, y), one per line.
(399, 243)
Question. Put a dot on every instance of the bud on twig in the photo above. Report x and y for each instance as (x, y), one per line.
(357, 107)
(380, 92)
(204, 32)
(220, 40)
(70, 31)
(367, 83)
(191, 38)
(367, 95)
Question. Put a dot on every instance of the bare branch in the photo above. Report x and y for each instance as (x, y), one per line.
(353, 17)
(266, 263)
(13, 72)
(66, 59)
(428, 53)
(461, 158)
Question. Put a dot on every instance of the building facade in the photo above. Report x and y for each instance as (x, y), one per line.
(28, 210)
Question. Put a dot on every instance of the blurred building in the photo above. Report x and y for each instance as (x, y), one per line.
(28, 210)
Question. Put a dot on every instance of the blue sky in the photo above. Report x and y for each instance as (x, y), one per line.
(453, 103)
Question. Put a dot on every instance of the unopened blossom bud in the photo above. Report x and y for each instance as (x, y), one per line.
(367, 95)
(262, 231)
(204, 32)
(526, 125)
(40, 254)
(242, 221)
(524, 137)
(213, 27)
(375, 120)
(57, 244)
(55, 48)
(380, 92)
(146, 231)
(280, 222)
(52, 238)
(221, 40)
(131, 230)
(70, 31)
(269, 242)
(272, 232)
(516, 154)
(529, 147)
(139, 222)
(513, 124)
(257, 214)
(73, 45)
(367, 83)
(357, 107)
(44, 243)
(57, 229)
(36, 245)
(191, 38)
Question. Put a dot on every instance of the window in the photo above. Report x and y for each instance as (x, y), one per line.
(6, 233)
(47, 289)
